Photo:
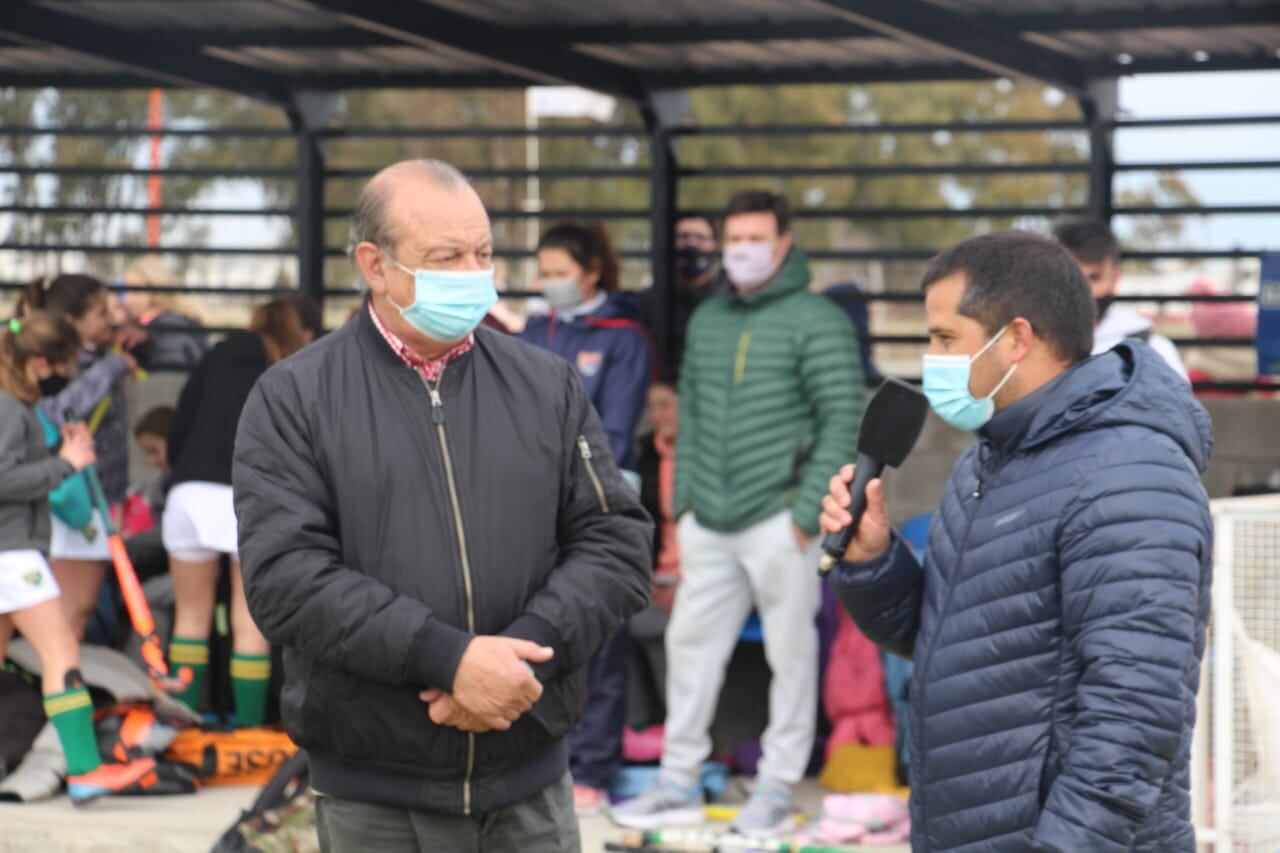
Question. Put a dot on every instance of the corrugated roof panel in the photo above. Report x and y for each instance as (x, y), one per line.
(673, 50)
(37, 60)
(338, 60)
(191, 14)
(794, 53)
(627, 12)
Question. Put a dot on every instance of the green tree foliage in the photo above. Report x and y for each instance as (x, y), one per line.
(510, 196)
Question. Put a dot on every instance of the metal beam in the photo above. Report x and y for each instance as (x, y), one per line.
(506, 50)
(659, 116)
(334, 80)
(312, 111)
(1260, 61)
(754, 30)
(1145, 18)
(966, 38)
(40, 27)
(1099, 106)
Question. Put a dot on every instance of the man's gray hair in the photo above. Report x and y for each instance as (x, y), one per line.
(369, 221)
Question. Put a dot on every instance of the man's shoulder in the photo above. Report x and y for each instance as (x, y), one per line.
(510, 353)
(816, 306)
(314, 360)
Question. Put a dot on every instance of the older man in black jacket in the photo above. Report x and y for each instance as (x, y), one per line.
(432, 526)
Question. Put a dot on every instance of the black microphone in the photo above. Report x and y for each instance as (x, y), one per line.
(891, 426)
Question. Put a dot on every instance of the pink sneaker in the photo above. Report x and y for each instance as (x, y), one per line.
(874, 812)
(588, 801)
(872, 819)
(897, 834)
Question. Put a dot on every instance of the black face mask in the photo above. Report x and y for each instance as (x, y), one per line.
(53, 385)
(692, 265)
(1103, 303)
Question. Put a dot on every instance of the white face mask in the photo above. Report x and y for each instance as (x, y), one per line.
(749, 265)
(562, 293)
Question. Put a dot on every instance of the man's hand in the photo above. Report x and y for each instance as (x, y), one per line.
(802, 539)
(664, 592)
(494, 683)
(446, 712)
(871, 539)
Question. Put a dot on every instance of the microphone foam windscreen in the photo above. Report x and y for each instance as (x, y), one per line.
(892, 423)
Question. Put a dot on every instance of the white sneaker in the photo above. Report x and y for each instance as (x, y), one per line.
(664, 803)
(767, 812)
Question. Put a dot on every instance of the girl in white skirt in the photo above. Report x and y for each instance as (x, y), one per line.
(29, 602)
(199, 523)
(95, 396)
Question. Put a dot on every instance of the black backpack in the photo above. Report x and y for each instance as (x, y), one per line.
(22, 710)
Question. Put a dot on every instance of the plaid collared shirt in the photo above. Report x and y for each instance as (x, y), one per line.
(428, 369)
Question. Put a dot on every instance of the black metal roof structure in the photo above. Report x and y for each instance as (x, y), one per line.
(268, 48)
(294, 54)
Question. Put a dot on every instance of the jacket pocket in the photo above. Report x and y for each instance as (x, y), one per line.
(349, 717)
(560, 708)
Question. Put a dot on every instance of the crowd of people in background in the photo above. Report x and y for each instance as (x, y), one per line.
(67, 360)
(729, 441)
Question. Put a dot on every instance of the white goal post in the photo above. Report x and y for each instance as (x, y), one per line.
(1235, 764)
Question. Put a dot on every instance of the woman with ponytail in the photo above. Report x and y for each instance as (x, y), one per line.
(31, 349)
(96, 396)
(199, 522)
(596, 330)
(595, 327)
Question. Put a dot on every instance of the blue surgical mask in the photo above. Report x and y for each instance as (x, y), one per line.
(946, 384)
(447, 304)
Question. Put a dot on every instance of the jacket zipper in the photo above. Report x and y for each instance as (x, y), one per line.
(584, 450)
(927, 658)
(740, 363)
(437, 418)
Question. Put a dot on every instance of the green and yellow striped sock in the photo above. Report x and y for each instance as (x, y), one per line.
(71, 713)
(189, 655)
(250, 677)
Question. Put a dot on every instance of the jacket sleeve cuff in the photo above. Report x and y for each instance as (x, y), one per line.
(62, 469)
(433, 660)
(870, 572)
(535, 629)
(805, 520)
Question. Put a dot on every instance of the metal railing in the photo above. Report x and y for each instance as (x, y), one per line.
(654, 161)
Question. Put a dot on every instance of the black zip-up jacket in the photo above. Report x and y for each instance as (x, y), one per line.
(203, 432)
(380, 531)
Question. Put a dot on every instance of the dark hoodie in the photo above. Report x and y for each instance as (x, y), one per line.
(203, 433)
(613, 357)
(1058, 622)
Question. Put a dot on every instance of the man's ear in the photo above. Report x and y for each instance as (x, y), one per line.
(1022, 337)
(1117, 270)
(373, 266)
(784, 245)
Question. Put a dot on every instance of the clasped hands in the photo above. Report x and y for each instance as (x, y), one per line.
(492, 686)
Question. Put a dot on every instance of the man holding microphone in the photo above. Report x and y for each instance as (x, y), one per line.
(1058, 622)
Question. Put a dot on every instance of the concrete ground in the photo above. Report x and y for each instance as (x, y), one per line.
(192, 824)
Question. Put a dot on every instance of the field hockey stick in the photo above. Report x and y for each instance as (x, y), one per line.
(135, 601)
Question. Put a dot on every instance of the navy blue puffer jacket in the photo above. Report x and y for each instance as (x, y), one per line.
(1058, 622)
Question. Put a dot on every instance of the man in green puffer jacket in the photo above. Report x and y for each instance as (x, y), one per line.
(770, 404)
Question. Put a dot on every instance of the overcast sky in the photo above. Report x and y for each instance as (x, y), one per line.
(1211, 94)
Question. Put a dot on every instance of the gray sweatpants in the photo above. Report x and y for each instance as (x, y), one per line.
(725, 575)
(545, 823)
